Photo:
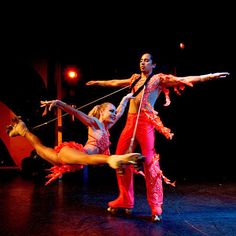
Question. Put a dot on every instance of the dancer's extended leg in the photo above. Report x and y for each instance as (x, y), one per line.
(68, 154)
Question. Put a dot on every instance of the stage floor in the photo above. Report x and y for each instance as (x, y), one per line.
(76, 205)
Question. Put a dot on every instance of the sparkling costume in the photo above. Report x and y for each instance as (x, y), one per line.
(102, 143)
(148, 121)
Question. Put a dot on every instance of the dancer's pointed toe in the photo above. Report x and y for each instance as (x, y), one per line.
(16, 128)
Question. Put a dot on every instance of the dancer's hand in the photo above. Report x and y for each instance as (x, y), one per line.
(92, 82)
(125, 100)
(219, 75)
(49, 105)
(129, 96)
(212, 76)
(215, 75)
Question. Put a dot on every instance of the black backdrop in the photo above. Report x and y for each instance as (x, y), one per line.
(109, 47)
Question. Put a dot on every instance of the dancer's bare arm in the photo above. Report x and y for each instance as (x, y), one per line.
(110, 83)
(123, 103)
(121, 108)
(84, 118)
(175, 81)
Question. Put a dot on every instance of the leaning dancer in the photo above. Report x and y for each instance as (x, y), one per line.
(71, 156)
(152, 85)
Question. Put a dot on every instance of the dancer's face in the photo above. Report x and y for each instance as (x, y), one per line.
(108, 114)
(146, 64)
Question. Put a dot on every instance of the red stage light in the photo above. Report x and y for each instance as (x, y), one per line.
(182, 45)
(72, 75)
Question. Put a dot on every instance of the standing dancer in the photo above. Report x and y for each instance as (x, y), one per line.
(147, 123)
(71, 156)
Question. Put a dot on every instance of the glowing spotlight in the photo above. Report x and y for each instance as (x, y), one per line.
(182, 45)
(72, 75)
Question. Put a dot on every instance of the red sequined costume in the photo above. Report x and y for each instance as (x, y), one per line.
(101, 143)
(145, 136)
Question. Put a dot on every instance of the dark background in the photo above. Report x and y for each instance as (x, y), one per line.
(106, 42)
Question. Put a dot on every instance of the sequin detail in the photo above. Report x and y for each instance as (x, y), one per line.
(159, 81)
(58, 170)
(102, 143)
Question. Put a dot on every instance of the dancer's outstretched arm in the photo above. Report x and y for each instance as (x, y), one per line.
(84, 118)
(110, 83)
(170, 82)
(175, 81)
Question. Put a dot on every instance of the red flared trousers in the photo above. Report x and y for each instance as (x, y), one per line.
(145, 137)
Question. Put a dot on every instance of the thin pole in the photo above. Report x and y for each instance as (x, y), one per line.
(136, 124)
(59, 112)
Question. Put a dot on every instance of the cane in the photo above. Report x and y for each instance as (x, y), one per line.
(136, 124)
(136, 162)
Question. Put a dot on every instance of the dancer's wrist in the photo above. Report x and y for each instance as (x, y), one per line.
(206, 77)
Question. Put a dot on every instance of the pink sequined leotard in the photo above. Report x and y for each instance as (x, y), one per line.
(96, 144)
(99, 142)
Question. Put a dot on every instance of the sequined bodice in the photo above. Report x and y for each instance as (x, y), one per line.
(99, 142)
(151, 86)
